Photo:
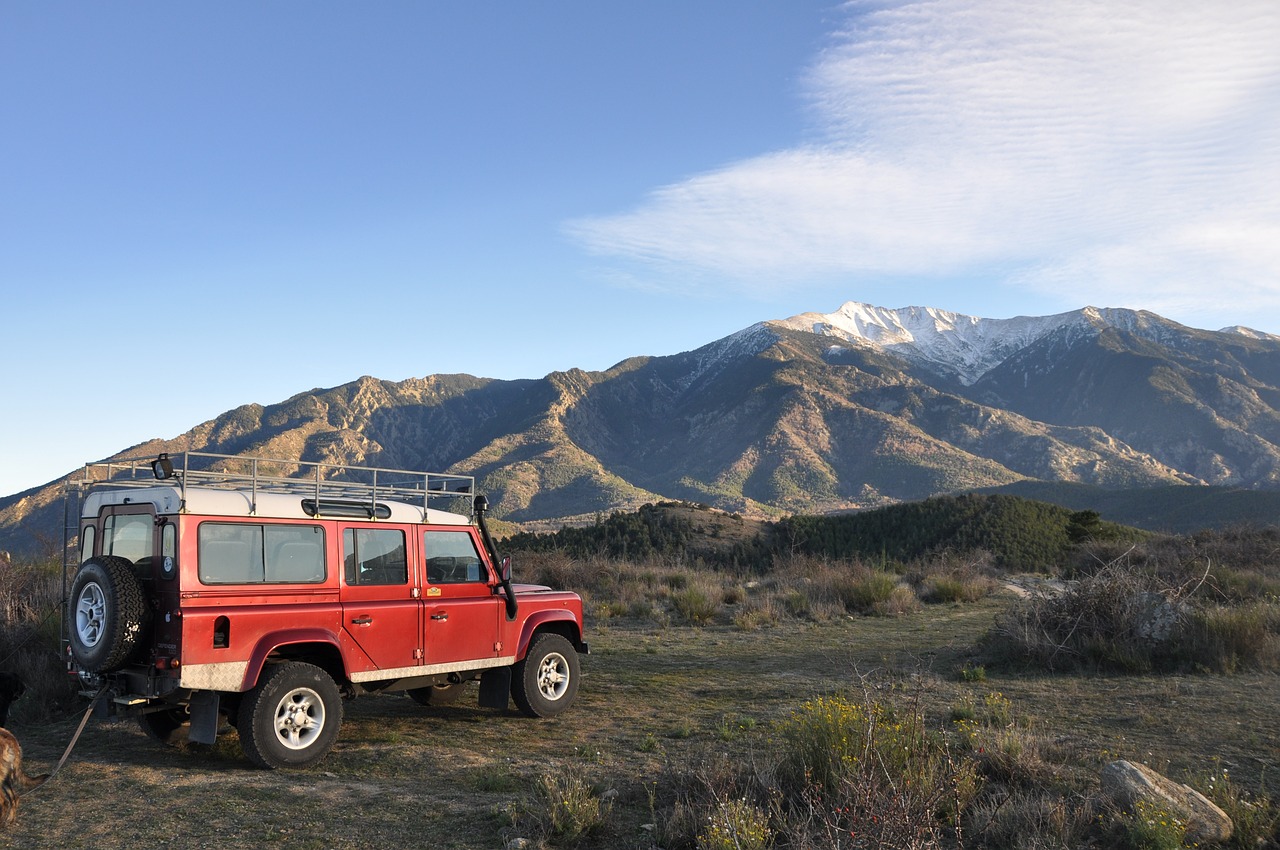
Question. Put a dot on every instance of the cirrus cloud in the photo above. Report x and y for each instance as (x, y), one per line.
(1130, 151)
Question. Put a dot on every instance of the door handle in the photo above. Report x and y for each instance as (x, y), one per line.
(361, 621)
(441, 616)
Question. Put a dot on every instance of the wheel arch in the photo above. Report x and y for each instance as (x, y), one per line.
(314, 646)
(557, 622)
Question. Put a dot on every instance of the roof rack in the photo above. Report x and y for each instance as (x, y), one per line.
(325, 482)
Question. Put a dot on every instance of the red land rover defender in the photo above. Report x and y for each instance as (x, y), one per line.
(269, 590)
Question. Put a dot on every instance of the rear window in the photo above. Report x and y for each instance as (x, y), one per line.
(128, 535)
(259, 553)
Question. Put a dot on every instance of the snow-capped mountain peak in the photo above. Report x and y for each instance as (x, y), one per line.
(965, 346)
(1249, 332)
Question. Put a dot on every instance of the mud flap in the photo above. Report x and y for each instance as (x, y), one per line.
(204, 717)
(495, 688)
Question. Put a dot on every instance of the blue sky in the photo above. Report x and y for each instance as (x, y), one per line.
(206, 205)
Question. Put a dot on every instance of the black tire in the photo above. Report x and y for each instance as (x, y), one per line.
(109, 614)
(436, 695)
(545, 682)
(291, 717)
(169, 726)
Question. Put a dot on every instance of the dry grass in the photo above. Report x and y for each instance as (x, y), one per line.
(30, 623)
(799, 587)
(1135, 619)
(679, 737)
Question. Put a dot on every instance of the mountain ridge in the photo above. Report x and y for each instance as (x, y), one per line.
(816, 413)
(970, 346)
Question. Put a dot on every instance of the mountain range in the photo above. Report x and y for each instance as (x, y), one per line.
(819, 412)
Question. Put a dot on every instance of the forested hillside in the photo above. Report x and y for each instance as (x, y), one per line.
(1019, 534)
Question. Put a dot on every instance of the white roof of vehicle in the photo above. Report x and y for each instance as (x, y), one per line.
(167, 499)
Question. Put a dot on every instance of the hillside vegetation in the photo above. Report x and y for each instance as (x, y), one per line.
(1015, 533)
(1169, 510)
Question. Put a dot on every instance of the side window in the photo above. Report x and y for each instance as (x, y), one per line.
(86, 543)
(230, 553)
(127, 535)
(294, 553)
(374, 556)
(251, 553)
(451, 557)
(168, 550)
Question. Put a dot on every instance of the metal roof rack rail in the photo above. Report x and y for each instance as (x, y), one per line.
(326, 483)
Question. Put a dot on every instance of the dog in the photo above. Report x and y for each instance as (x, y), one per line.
(14, 781)
(11, 688)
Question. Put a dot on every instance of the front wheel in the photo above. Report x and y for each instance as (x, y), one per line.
(291, 718)
(546, 681)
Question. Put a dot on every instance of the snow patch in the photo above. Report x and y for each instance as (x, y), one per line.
(713, 358)
(967, 347)
(1241, 330)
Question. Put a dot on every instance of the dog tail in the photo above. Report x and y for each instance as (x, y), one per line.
(30, 783)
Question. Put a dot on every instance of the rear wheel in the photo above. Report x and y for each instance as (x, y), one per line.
(109, 614)
(546, 681)
(291, 718)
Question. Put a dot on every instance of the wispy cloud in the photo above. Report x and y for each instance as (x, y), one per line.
(1128, 150)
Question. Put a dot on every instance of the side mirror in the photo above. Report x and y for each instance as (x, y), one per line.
(504, 569)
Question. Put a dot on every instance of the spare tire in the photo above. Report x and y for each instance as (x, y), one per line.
(108, 614)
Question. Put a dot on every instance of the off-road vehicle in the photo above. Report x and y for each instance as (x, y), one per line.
(267, 591)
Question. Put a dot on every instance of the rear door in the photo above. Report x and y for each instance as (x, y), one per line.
(462, 612)
(381, 607)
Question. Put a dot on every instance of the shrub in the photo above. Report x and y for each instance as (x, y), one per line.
(1255, 817)
(955, 587)
(30, 596)
(734, 594)
(1149, 827)
(902, 600)
(756, 615)
(1222, 639)
(736, 825)
(694, 606)
(870, 772)
(1130, 619)
(867, 591)
(566, 808)
(797, 604)
(1033, 819)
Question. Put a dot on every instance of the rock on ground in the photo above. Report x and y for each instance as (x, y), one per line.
(1127, 782)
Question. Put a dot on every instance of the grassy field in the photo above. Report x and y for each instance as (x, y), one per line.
(665, 713)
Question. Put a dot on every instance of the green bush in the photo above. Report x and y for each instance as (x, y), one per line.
(867, 592)
(871, 771)
(566, 807)
(694, 606)
(736, 825)
(1255, 817)
(954, 588)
